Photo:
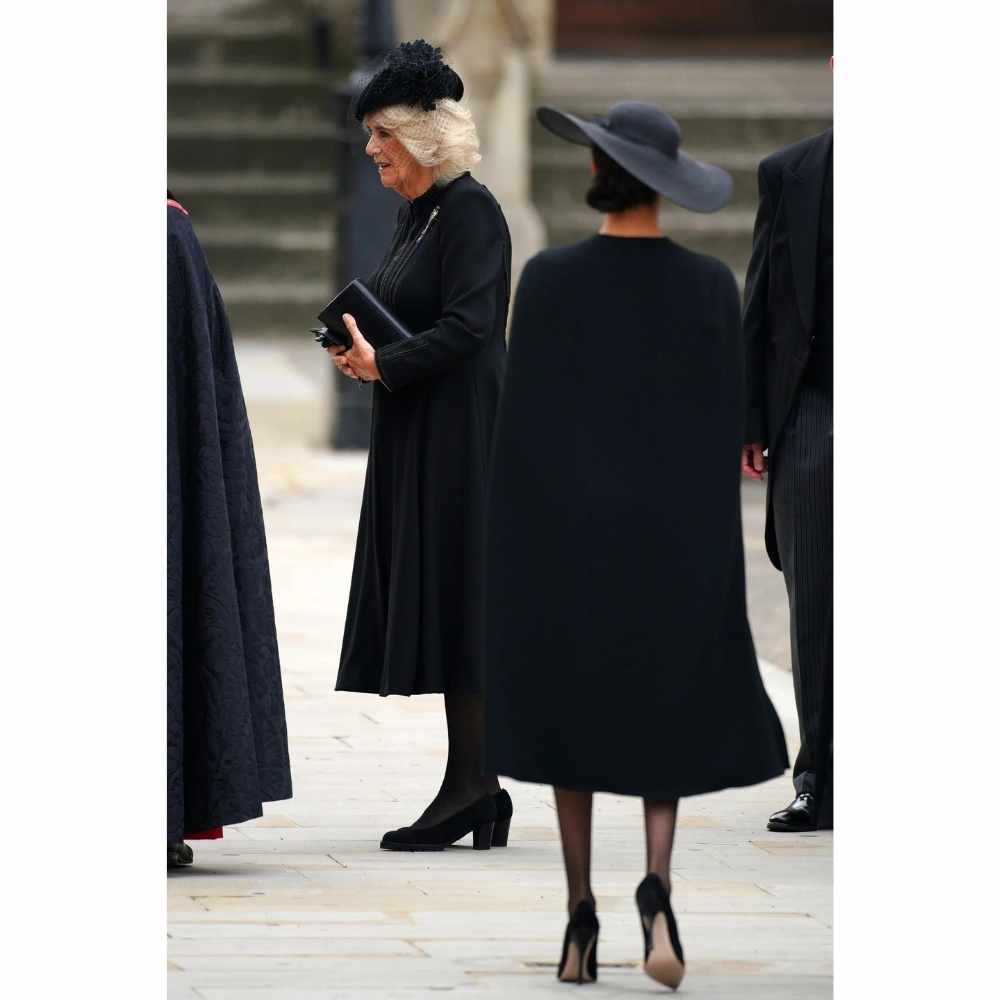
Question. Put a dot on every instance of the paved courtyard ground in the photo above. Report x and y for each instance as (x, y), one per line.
(302, 905)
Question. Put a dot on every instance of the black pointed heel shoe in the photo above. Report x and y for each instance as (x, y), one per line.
(505, 810)
(664, 960)
(579, 955)
(479, 819)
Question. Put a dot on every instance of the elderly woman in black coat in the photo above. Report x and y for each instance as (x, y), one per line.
(415, 613)
(619, 654)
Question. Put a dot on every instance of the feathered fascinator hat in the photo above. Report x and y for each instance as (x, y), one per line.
(413, 73)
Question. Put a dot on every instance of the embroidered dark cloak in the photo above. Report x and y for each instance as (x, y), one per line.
(227, 747)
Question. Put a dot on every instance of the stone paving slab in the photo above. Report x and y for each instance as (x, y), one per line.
(302, 905)
(613, 984)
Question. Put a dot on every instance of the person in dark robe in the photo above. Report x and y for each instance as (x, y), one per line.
(415, 613)
(619, 653)
(227, 746)
(788, 325)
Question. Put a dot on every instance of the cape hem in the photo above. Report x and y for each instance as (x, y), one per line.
(681, 791)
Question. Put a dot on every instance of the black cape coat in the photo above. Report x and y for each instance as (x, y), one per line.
(415, 613)
(619, 657)
(227, 748)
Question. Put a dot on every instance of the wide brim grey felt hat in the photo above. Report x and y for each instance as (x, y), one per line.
(645, 141)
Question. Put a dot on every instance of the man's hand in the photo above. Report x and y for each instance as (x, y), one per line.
(752, 461)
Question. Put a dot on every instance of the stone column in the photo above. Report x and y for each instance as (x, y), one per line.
(495, 46)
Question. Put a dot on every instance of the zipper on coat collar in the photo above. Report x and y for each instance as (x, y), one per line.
(405, 254)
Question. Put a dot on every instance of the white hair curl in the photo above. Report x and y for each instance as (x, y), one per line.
(444, 139)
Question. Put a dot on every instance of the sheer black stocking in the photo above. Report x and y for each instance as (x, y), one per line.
(661, 821)
(463, 781)
(574, 810)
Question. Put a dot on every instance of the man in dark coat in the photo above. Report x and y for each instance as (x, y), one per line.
(788, 328)
(227, 747)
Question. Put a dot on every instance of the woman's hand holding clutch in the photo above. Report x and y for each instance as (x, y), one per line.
(339, 355)
(359, 361)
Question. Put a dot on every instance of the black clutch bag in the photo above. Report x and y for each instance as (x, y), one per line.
(378, 325)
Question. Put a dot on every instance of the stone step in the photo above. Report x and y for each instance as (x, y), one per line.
(221, 145)
(727, 235)
(250, 152)
(255, 253)
(274, 308)
(690, 86)
(560, 176)
(281, 40)
(276, 199)
(242, 93)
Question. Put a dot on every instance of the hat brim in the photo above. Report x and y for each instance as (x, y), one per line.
(700, 187)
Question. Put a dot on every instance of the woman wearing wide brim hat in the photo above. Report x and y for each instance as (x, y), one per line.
(645, 142)
(619, 657)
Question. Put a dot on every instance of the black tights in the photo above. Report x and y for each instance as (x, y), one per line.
(463, 781)
(575, 810)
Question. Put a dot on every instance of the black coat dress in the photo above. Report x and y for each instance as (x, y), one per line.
(415, 613)
(227, 747)
(619, 654)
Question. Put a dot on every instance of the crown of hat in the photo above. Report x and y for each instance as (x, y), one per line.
(646, 124)
(413, 73)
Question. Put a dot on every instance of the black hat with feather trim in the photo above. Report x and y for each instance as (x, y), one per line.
(413, 73)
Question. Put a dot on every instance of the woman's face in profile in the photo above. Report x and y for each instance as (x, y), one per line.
(395, 163)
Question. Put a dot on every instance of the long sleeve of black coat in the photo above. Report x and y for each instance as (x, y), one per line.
(755, 315)
(472, 276)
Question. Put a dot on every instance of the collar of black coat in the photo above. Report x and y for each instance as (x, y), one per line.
(815, 159)
(423, 204)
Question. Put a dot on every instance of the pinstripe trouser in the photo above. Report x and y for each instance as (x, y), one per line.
(802, 486)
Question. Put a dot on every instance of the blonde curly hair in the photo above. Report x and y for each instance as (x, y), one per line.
(444, 139)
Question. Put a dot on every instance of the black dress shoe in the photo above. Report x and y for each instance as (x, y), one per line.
(505, 810)
(800, 817)
(179, 854)
(664, 956)
(478, 819)
(579, 954)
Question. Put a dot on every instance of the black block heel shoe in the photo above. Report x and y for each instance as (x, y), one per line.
(579, 955)
(505, 810)
(479, 819)
(179, 854)
(664, 959)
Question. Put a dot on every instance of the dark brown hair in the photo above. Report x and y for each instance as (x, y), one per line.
(614, 189)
